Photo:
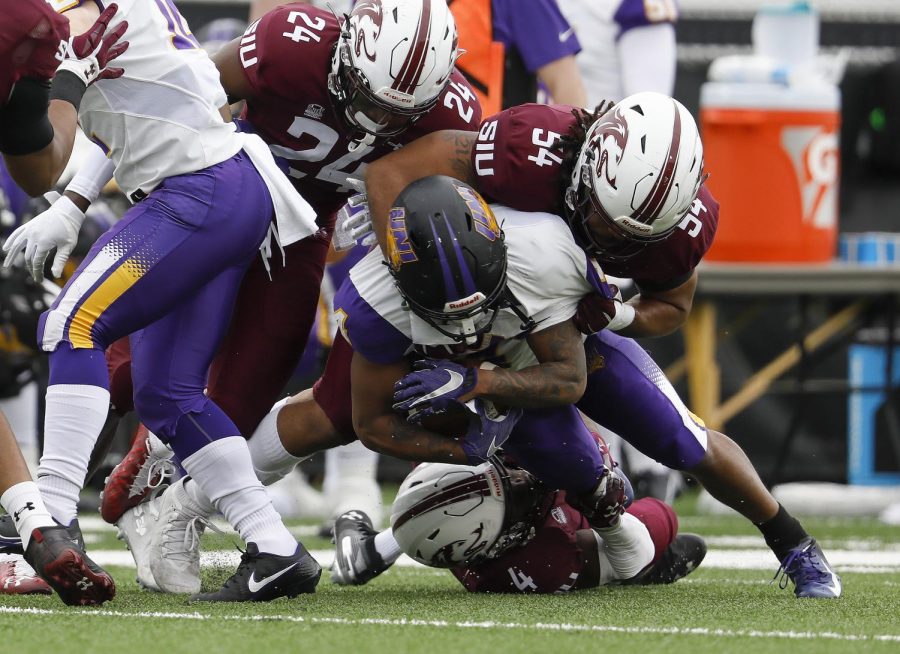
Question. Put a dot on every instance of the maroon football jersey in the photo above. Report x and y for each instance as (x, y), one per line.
(286, 57)
(549, 563)
(552, 562)
(517, 159)
(30, 34)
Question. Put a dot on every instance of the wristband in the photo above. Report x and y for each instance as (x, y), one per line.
(67, 86)
(624, 316)
(93, 174)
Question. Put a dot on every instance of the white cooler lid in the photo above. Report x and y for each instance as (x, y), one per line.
(753, 95)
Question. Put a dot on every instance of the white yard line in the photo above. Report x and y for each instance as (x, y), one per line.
(443, 624)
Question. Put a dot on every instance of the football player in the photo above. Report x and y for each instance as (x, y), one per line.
(500, 530)
(329, 95)
(37, 130)
(459, 287)
(614, 173)
(205, 199)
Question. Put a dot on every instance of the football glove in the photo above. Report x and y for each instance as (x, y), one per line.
(598, 311)
(432, 387)
(88, 54)
(57, 227)
(488, 430)
(354, 223)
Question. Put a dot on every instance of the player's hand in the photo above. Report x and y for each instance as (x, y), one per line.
(432, 387)
(353, 224)
(488, 430)
(57, 227)
(610, 499)
(88, 54)
(600, 310)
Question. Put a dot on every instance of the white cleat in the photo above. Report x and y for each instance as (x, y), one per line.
(175, 541)
(134, 528)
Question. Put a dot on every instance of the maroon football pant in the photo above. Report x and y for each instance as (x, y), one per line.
(265, 339)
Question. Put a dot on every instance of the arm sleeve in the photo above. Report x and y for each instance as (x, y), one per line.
(25, 127)
(540, 33)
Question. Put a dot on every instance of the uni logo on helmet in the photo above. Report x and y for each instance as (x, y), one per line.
(399, 248)
(484, 219)
(367, 17)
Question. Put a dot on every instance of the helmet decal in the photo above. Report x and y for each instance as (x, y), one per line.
(485, 222)
(610, 137)
(399, 248)
(367, 18)
(411, 70)
(656, 199)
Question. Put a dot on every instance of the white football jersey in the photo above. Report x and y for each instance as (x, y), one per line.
(546, 271)
(161, 118)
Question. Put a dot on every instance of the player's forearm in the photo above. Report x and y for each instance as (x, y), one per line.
(541, 386)
(38, 172)
(441, 153)
(654, 317)
(391, 434)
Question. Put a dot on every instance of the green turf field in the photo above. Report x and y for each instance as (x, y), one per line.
(720, 608)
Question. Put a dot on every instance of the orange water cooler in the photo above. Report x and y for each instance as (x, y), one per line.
(772, 151)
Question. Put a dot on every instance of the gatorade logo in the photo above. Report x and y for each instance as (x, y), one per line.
(814, 155)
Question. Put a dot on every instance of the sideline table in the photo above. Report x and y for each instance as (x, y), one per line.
(871, 290)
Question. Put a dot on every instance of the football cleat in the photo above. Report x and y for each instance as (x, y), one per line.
(810, 571)
(175, 525)
(682, 556)
(141, 471)
(263, 577)
(19, 578)
(356, 561)
(62, 563)
(134, 529)
(10, 541)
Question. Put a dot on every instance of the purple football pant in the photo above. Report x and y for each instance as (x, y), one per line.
(628, 393)
(556, 447)
(171, 268)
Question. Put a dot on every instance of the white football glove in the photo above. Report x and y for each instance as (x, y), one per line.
(354, 224)
(57, 227)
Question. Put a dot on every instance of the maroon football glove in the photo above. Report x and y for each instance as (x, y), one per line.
(88, 54)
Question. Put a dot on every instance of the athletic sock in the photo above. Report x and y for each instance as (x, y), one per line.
(626, 549)
(24, 503)
(74, 417)
(270, 460)
(782, 532)
(224, 472)
(387, 546)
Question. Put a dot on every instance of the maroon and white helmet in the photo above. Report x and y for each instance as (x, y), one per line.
(638, 172)
(392, 62)
(448, 515)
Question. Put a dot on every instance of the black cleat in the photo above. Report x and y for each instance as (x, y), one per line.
(682, 557)
(63, 564)
(263, 577)
(11, 542)
(356, 561)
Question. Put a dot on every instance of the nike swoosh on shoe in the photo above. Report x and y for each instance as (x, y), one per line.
(256, 586)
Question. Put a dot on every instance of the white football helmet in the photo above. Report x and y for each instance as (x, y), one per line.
(392, 62)
(636, 175)
(449, 515)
